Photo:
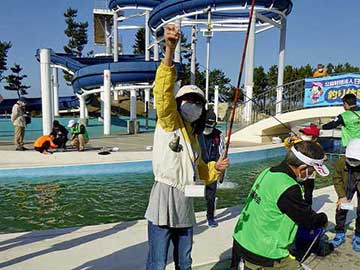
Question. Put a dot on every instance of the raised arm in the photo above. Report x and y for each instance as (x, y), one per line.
(168, 116)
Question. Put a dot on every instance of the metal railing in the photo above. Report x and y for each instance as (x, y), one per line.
(264, 104)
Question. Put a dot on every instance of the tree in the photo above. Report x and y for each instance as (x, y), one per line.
(139, 46)
(4, 48)
(14, 81)
(260, 80)
(272, 76)
(304, 72)
(77, 34)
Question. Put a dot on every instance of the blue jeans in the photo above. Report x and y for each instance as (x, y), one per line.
(159, 238)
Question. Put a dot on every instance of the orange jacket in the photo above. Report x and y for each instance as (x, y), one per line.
(46, 138)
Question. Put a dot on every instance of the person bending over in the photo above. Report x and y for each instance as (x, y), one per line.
(43, 143)
(274, 209)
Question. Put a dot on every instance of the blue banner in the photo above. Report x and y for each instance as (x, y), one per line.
(328, 91)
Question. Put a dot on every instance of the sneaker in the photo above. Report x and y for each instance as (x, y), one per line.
(339, 240)
(356, 243)
(20, 149)
(212, 223)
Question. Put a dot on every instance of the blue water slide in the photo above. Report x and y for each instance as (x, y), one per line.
(138, 3)
(89, 71)
(121, 72)
(171, 8)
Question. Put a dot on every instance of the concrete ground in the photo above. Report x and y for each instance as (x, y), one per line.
(124, 245)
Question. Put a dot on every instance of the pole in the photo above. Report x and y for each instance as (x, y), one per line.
(249, 73)
(132, 104)
(115, 37)
(56, 91)
(107, 102)
(45, 90)
(216, 101)
(147, 35)
(208, 59)
(82, 107)
(281, 68)
(193, 54)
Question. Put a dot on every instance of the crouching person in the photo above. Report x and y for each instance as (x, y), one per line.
(43, 143)
(79, 135)
(275, 208)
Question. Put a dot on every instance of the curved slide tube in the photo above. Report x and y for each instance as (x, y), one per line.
(171, 8)
(138, 3)
(121, 72)
(89, 72)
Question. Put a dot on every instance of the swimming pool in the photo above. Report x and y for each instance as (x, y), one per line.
(44, 200)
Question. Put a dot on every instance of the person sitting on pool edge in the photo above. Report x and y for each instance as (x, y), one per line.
(275, 207)
(43, 143)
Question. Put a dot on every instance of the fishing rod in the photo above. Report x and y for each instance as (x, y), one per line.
(237, 90)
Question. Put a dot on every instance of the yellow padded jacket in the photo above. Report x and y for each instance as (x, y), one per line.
(176, 169)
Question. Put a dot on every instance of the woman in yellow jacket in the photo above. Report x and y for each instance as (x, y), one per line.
(176, 163)
(43, 143)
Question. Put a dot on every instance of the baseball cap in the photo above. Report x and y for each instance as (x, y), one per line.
(190, 89)
(71, 123)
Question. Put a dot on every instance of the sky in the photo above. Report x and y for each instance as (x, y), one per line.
(320, 31)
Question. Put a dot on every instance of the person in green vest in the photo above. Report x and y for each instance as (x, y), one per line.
(275, 208)
(79, 135)
(349, 120)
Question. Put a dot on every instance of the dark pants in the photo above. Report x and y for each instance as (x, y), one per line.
(210, 192)
(308, 190)
(340, 218)
(159, 238)
(44, 147)
(286, 263)
(61, 142)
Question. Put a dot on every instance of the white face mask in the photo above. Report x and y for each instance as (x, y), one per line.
(190, 111)
(208, 131)
(306, 138)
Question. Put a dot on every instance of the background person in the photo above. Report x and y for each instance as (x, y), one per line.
(43, 143)
(212, 147)
(320, 71)
(349, 120)
(60, 134)
(18, 116)
(274, 209)
(310, 133)
(346, 168)
(79, 135)
(176, 163)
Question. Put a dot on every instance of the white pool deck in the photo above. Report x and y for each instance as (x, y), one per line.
(123, 246)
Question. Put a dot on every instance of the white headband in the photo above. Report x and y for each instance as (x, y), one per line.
(306, 159)
(318, 164)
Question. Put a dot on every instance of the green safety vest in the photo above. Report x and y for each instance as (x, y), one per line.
(351, 129)
(262, 228)
(76, 130)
